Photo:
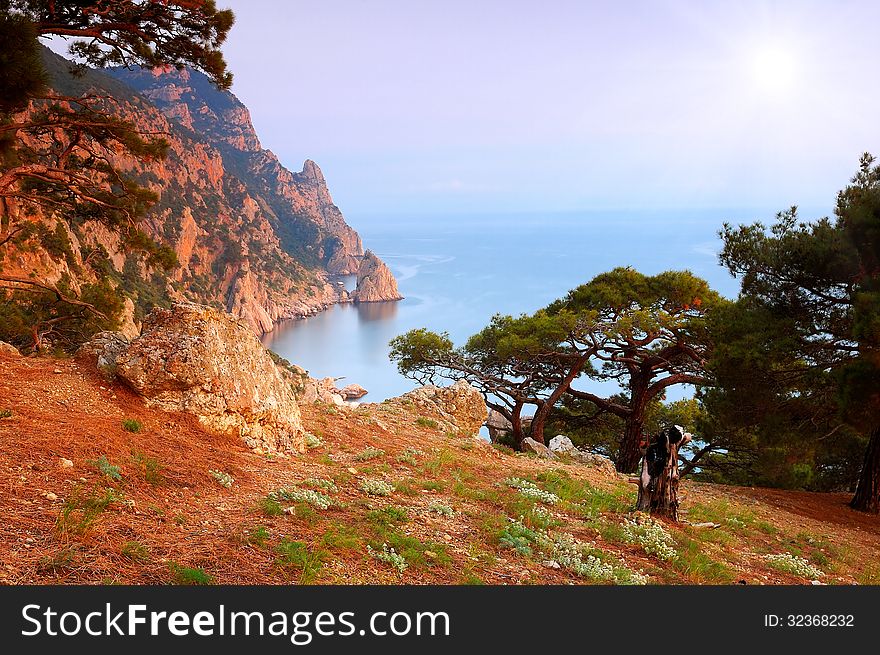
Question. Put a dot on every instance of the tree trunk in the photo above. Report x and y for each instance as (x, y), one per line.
(516, 430)
(543, 412)
(658, 482)
(630, 451)
(867, 497)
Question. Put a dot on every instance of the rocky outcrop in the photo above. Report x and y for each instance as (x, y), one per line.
(459, 408)
(353, 392)
(201, 361)
(375, 283)
(561, 445)
(9, 350)
(102, 351)
(529, 445)
(250, 236)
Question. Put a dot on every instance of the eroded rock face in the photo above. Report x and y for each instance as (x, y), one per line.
(375, 283)
(102, 351)
(459, 408)
(198, 360)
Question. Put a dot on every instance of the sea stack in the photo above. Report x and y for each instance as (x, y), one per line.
(375, 283)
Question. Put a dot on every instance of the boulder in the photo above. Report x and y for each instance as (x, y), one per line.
(499, 427)
(353, 392)
(102, 350)
(562, 445)
(9, 350)
(529, 445)
(196, 359)
(459, 408)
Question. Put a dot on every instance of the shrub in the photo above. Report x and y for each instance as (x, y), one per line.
(312, 441)
(297, 495)
(376, 487)
(408, 456)
(368, 453)
(132, 425)
(529, 489)
(651, 536)
(106, 468)
(223, 479)
(389, 556)
(441, 509)
(788, 563)
(182, 575)
(321, 483)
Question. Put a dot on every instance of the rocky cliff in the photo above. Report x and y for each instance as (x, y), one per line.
(375, 282)
(250, 236)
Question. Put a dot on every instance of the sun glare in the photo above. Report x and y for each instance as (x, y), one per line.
(774, 69)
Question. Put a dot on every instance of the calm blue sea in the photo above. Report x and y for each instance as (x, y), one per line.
(457, 272)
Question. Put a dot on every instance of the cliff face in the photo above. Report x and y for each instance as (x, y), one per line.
(251, 237)
(375, 282)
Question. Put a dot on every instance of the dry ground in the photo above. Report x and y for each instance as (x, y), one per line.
(141, 507)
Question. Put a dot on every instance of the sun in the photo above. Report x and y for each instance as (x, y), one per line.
(774, 68)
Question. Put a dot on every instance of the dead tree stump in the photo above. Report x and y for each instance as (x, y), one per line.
(658, 479)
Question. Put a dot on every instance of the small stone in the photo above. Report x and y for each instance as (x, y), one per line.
(58, 370)
(65, 463)
(430, 554)
(551, 564)
(50, 496)
(352, 470)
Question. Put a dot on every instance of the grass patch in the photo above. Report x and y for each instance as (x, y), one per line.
(183, 575)
(270, 507)
(258, 536)
(132, 425)
(82, 508)
(436, 464)
(5, 413)
(368, 453)
(149, 468)
(135, 551)
(297, 555)
(341, 536)
(64, 559)
(433, 485)
(408, 456)
(405, 487)
(427, 423)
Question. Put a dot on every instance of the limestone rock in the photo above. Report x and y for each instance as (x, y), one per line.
(375, 283)
(529, 445)
(458, 408)
(353, 392)
(562, 445)
(198, 360)
(9, 350)
(102, 350)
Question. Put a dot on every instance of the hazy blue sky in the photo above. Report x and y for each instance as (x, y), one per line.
(499, 105)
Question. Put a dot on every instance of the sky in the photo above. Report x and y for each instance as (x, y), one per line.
(474, 106)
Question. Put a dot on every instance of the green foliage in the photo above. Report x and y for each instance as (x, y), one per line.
(269, 506)
(369, 453)
(298, 555)
(107, 469)
(135, 551)
(132, 425)
(223, 479)
(427, 422)
(150, 468)
(801, 359)
(82, 508)
(21, 68)
(183, 575)
(258, 536)
(5, 413)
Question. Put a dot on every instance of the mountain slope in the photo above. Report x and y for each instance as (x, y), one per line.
(250, 236)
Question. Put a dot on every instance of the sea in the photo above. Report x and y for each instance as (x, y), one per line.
(457, 271)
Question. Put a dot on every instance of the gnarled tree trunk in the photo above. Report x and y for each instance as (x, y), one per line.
(658, 481)
(867, 496)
